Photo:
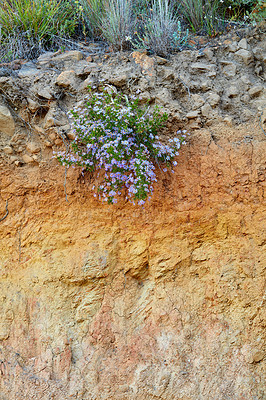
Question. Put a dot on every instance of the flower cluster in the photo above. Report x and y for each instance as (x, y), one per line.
(115, 135)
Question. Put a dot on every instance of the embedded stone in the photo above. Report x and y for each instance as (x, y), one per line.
(208, 53)
(33, 148)
(192, 114)
(197, 100)
(91, 68)
(118, 80)
(232, 92)
(213, 99)
(146, 63)
(229, 69)
(71, 135)
(8, 150)
(45, 92)
(27, 159)
(258, 356)
(67, 79)
(243, 44)
(201, 67)
(33, 106)
(28, 70)
(7, 123)
(255, 91)
(245, 56)
(161, 60)
(90, 81)
(73, 55)
(228, 120)
(232, 47)
(258, 53)
(245, 98)
(206, 110)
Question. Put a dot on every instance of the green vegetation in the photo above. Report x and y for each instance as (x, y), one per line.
(28, 27)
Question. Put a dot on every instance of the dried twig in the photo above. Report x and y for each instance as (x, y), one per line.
(7, 212)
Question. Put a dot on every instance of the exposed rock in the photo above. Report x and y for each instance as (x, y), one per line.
(67, 58)
(67, 79)
(28, 70)
(124, 302)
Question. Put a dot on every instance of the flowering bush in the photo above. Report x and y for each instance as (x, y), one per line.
(115, 135)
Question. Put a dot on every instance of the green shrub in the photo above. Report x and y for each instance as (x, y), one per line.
(250, 10)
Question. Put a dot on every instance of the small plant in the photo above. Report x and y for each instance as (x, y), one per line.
(117, 140)
(117, 22)
(161, 29)
(92, 11)
(202, 15)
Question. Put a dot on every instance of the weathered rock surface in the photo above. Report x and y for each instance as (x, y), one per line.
(120, 302)
(117, 302)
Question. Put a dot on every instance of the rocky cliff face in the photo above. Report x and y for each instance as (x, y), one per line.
(122, 302)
